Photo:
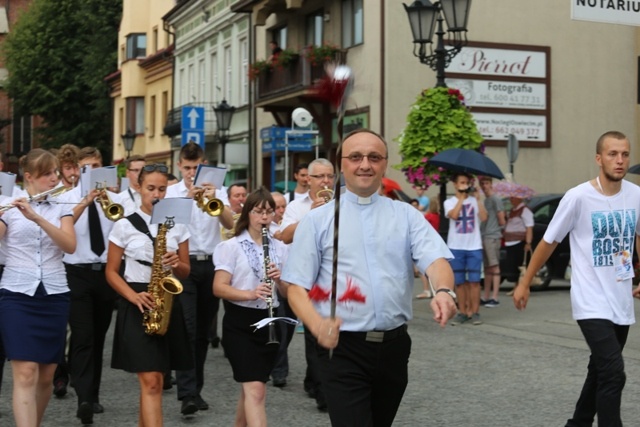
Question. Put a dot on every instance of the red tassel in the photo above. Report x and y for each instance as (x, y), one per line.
(330, 90)
(317, 294)
(352, 293)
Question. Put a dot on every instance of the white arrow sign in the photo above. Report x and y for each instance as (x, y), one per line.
(193, 116)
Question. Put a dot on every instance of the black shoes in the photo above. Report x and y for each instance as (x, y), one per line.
(85, 413)
(279, 382)
(59, 388)
(201, 403)
(97, 408)
(168, 381)
(189, 406)
(215, 342)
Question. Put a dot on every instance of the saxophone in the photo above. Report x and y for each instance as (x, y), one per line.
(162, 286)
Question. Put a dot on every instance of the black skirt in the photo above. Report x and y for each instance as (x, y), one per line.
(33, 328)
(250, 357)
(135, 351)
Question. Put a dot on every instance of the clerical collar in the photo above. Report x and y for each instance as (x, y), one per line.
(359, 200)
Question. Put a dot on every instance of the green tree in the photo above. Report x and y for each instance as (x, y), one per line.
(438, 120)
(57, 55)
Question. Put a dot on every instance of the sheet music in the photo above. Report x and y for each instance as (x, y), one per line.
(7, 182)
(210, 175)
(105, 177)
(179, 208)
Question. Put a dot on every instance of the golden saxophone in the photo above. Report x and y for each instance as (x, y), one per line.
(162, 286)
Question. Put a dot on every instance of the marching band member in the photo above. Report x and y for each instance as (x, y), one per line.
(149, 356)
(92, 299)
(130, 198)
(239, 280)
(281, 206)
(69, 170)
(199, 305)
(34, 296)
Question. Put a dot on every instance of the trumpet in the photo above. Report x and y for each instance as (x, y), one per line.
(39, 197)
(326, 193)
(213, 207)
(113, 211)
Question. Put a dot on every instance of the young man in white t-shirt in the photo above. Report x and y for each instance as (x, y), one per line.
(601, 217)
(465, 215)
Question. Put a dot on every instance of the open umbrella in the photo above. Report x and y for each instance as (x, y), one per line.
(512, 189)
(467, 161)
(635, 169)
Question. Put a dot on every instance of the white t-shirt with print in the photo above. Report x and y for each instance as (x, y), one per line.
(597, 228)
(464, 232)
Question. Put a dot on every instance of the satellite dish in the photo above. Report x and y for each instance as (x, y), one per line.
(301, 117)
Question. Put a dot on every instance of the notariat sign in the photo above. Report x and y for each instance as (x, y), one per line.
(625, 12)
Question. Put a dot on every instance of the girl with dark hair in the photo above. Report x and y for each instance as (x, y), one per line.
(149, 356)
(34, 296)
(240, 281)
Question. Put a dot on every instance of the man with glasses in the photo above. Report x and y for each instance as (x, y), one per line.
(366, 376)
(198, 303)
(130, 198)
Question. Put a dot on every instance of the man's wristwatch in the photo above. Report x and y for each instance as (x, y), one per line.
(450, 292)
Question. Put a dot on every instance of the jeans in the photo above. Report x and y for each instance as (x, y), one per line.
(602, 389)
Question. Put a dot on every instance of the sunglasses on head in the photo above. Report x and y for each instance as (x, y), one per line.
(158, 167)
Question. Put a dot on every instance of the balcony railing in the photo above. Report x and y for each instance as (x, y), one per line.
(173, 126)
(300, 74)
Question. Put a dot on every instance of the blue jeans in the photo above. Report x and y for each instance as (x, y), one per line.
(602, 389)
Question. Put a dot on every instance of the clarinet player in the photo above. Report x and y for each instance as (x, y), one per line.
(240, 282)
(149, 356)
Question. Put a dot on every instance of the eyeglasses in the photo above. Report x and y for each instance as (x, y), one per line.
(159, 167)
(262, 213)
(324, 176)
(372, 157)
(134, 170)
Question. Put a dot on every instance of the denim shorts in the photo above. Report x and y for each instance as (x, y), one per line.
(466, 265)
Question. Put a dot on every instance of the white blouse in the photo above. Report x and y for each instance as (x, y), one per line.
(32, 256)
(138, 246)
(243, 259)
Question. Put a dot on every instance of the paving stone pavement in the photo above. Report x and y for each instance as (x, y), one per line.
(517, 369)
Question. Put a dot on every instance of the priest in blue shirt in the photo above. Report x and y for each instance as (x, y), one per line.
(366, 376)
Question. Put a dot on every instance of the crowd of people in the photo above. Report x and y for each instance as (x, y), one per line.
(72, 263)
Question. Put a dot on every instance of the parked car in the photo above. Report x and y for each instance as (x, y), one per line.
(543, 207)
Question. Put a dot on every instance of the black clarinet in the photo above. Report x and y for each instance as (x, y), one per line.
(268, 281)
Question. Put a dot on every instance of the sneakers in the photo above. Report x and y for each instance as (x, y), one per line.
(484, 301)
(475, 319)
(459, 319)
(492, 303)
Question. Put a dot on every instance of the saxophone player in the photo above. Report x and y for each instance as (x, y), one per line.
(149, 356)
(199, 304)
(239, 281)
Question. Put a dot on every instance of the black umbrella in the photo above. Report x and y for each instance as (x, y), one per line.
(467, 161)
(635, 169)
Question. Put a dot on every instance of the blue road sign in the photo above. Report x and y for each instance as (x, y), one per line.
(193, 125)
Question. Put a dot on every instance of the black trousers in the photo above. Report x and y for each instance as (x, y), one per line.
(602, 389)
(364, 381)
(281, 370)
(200, 307)
(92, 304)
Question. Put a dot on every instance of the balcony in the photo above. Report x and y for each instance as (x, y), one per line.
(173, 126)
(281, 84)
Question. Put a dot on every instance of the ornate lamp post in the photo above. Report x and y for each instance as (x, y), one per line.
(128, 139)
(422, 17)
(224, 114)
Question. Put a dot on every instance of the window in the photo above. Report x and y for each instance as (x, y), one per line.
(152, 116)
(244, 73)
(22, 126)
(202, 94)
(280, 36)
(228, 72)
(315, 25)
(136, 46)
(154, 40)
(215, 83)
(352, 20)
(135, 115)
(192, 84)
(165, 106)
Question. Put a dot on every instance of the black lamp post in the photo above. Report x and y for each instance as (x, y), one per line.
(128, 139)
(224, 114)
(422, 17)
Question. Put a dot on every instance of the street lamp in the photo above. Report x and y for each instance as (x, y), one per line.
(224, 114)
(422, 16)
(128, 139)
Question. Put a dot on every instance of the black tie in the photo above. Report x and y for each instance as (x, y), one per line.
(95, 231)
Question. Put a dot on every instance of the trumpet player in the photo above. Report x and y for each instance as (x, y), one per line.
(130, 198)
(69, 170)
(321, 178)
(92, 299)
(200, 306)
(240, 281)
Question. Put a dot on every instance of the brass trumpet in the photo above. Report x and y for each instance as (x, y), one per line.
(213, 207)
(113, 211)
(40, 196)
(326, 193)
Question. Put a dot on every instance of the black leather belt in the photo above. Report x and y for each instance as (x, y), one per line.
(200, 257)
(96, 266)
(378, 336)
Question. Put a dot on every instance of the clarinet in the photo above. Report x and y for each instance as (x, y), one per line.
(268, 281)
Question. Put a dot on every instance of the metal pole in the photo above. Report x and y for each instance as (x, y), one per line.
(286, 162)
(440, 53)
